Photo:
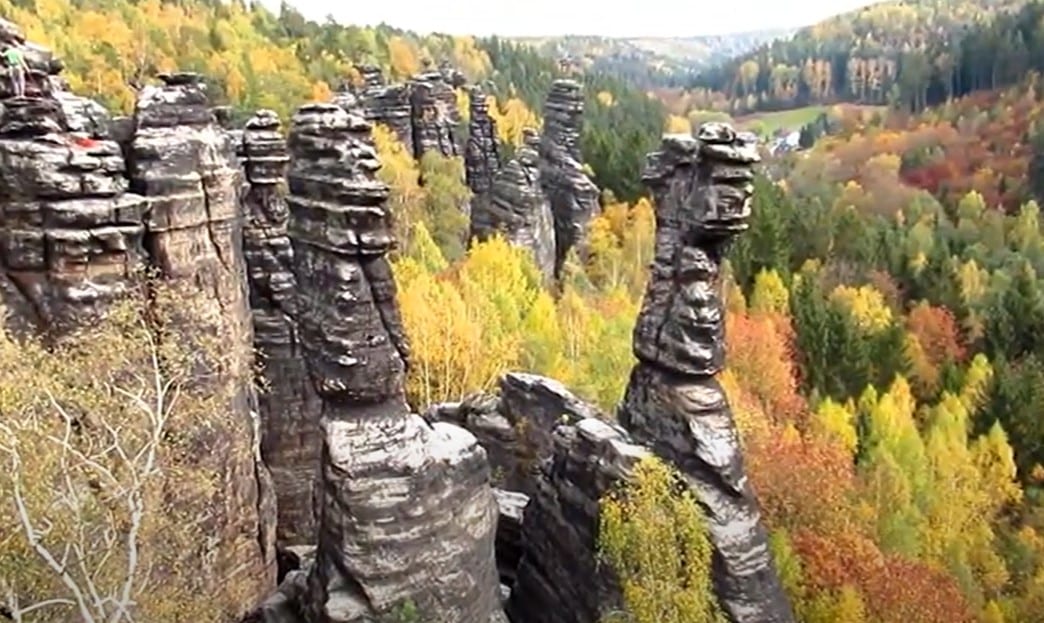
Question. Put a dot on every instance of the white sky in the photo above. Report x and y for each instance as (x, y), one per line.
(609, 18)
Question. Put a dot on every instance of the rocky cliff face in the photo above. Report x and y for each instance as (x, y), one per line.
(405, 510)
(553, 456)
(388, 105)
(560, 578)
(70, 234)
(185, 167)
(516, 206)
(481, 153)
(673, 402)
(515, 426)
(435, 117)
(287, 403)
(573, 196)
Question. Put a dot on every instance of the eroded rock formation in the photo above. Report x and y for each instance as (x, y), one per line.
(405, 509)
(515, 426)
(371, 75)
(481, 153)
(573, 196)
(388, 105)
(435, 116)
(184, 164)
(560, 578)
(70, 234)
(288, 405)
(673, 403)
(516, 207)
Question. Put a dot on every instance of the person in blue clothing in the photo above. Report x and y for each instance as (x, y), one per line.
(16, 68)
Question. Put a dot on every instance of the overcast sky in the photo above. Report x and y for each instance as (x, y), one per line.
(609, 18)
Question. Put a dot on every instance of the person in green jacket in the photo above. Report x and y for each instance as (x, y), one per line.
(16, 68)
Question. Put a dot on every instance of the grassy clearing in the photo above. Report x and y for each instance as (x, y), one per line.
(793, 119)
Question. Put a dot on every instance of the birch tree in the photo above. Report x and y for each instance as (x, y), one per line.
(103, 501)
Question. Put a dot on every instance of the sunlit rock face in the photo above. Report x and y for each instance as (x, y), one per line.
(406, 514)
(70, 232)
(673, 403)
(184, 165)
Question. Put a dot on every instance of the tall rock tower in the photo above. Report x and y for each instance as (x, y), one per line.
(406, 515)
(184, 164)
(573, 195)
(288, 404)
(674, 404)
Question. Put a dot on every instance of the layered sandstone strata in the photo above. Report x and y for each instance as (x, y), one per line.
(70, 233)
(184, 165)
(481, 153)
(406, 515)
(673, 403)
(572, 194)
(436, 121)
(517, 208)
(288, 404)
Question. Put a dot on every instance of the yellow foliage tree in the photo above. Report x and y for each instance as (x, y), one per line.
(677, 125)
(104, 497)
(656, 540)
(770, 294)
(512, 117)
(867, 306)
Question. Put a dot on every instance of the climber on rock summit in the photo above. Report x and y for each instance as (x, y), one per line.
(17, 68)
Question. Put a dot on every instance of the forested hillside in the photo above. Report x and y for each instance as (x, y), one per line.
(650, 62)
(909, 54)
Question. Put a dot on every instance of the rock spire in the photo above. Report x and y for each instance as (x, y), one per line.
(673, 403)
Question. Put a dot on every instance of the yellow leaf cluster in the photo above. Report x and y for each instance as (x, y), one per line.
(656, 540)
(867, 306)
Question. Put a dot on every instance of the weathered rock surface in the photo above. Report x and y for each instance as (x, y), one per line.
(453, 76)
(435, 117)
(515, 427)
(405, 509)
(512, 507)
(70, 234)
(371, 75)
(481, 153)
(185, 167)
(673, 402)
(288, 404)
(560, 578)
(388, 105)
(573, 196)
(517, 207)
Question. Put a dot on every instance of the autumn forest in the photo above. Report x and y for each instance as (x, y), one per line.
(885, 319)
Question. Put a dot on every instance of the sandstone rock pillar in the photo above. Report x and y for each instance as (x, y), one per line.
(184, 164)
(517, 207)
(288, 405)
(435, 116)
(406, 516)
(573, 196)
(481, 155)
(673, 403)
